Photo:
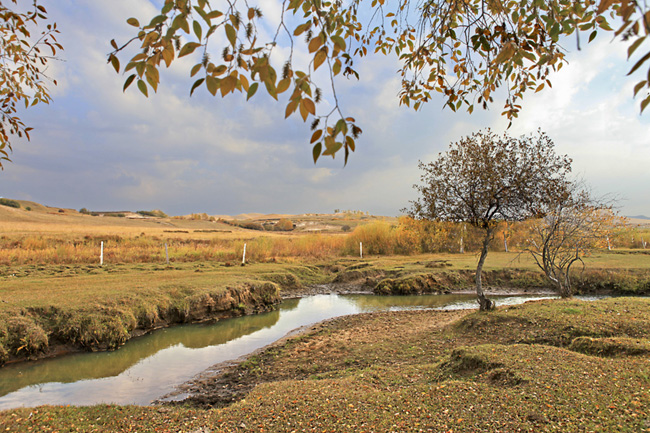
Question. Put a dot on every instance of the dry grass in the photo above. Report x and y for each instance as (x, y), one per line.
(47, 236)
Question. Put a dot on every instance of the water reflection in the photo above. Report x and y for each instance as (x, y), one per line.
(148, 367)
(83, 366)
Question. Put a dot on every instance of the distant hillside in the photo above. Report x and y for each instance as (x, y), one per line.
(639, 217)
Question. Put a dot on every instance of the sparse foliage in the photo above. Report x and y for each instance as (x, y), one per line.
(463, 51)
(25, 51)
(572, 226)
(484, 179)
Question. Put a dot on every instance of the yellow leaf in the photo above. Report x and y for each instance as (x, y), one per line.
(283, 85)
(320, 57)
(309, 106)
(315, 44)
(212, 84)
(228, 85)
(317, 134)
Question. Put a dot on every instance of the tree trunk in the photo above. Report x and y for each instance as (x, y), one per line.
(485, 303)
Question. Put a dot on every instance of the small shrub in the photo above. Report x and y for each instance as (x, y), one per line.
(153, 213)
(10, 203)
(346, 228)
(28, 208)
(251, 225)
(284, 225)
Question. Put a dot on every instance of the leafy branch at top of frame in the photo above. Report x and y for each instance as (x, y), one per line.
(463, 50)
(24, 58)
(241, 63)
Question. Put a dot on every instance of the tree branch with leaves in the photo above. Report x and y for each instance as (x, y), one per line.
(24, 57)
(464, 51)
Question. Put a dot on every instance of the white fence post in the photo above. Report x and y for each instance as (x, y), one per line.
(361, 249)
(243, 259)
(166, 252)
(101, 255)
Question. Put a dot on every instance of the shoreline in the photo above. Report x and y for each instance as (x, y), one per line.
(342, 289)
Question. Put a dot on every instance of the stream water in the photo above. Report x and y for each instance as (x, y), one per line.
(151, 366)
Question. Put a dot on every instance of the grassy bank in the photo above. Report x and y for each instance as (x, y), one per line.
(551, 366)
(48, 308)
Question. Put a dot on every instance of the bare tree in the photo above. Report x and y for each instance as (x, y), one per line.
(484, 179)
(572, 226)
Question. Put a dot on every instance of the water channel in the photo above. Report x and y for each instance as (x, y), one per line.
(151, 366)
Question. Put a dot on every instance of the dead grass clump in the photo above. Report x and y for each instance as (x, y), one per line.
(410, 285)
(100, 329)
(24, 336)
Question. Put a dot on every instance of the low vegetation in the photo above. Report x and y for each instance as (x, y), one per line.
(549, 366)
(9, 203)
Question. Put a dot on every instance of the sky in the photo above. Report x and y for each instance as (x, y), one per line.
(99, 148)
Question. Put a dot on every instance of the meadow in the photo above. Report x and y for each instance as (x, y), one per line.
(380, 372)
(49, 236)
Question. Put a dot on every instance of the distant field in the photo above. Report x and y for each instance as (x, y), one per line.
(49, 235)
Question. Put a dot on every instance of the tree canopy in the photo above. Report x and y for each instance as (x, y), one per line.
(463, 50)
(485, 178)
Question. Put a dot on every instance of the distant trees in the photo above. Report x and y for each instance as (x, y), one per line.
(484, 179)
(9, 203)
(572, 225)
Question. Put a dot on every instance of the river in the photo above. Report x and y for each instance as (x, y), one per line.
(153, 365)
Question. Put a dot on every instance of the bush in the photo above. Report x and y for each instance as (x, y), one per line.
(10, 203)
(153, 213)
(346, 228)
(251, 225)
(284, 225)
(28, 208)
(377, 238)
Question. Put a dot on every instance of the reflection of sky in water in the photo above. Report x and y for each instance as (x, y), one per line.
(151, 366)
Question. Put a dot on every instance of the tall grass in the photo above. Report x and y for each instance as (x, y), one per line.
(378, 238)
